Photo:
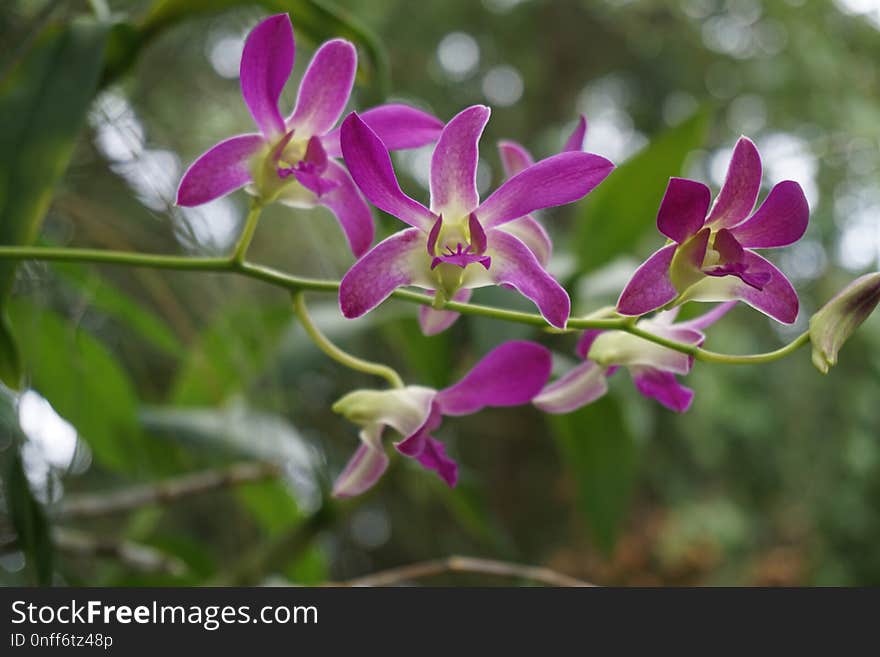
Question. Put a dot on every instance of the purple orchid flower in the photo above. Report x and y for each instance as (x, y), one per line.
(653, 367)
(290, 160)
(710, 257)
(514, 159)
(458, 243)
(509, 375)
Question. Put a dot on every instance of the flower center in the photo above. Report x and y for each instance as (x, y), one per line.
(458, 244)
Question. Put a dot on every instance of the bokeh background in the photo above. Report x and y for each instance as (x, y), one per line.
(136, 376)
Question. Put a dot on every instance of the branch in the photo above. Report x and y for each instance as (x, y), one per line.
(299, 283)
(134, 555)
(459, 564)
(165, 492)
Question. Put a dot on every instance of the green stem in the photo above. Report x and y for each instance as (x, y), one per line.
(337, 354)
(299, 284)
(247, 233)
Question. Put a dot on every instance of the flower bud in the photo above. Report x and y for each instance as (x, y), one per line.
(836, 321)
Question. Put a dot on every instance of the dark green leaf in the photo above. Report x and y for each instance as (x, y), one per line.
(28, 519)
(43, 103)
(234, 349)
(115, 303)
(85, 384)
(613, 219)
(600, 451)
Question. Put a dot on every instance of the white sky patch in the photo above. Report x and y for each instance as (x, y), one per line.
(213, 226)
(611, 132)
(857, 212)
(459, 55)
(503, 86)
(869, 9)
(119, 134)
(788, 157)
(224, 53)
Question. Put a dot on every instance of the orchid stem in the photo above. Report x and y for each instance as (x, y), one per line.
(247, 233)
(337, 354)
(299, 284)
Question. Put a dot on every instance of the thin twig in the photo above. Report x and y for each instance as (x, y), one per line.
(165, 492)
(459, 564)
(134, 555)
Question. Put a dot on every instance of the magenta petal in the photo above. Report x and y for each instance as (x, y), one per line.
(398, 126)
(514, 158)
(581, 386)
(433, 457)
(586, 341)
(707, 319)
(663, 387)
(513, 264)
(222, 169)
(363, 470)
(554, 181)
(777, 298)
(325, 88)
(576, 141)
(454, 163)
(650, 287)
(528, 231)
(266, 63)
(350, 209)
(740, 190)
(509, 375)
(683, 209)
(390, 264)
(433, 321)
(781, 220)
(370, 166)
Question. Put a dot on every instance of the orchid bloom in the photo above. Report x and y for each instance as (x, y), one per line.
(710, 257)
(290, 160)
(509, 375)
(459, 242)
(653, 367)
(514, 159)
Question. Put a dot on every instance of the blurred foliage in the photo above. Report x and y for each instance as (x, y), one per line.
(772, 478)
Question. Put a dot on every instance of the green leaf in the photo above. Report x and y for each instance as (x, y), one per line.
(85, 384)
(43, 104)
(28, 519)
(231, 351)
(429, 357)
(600, 451)
(613, 219)
(315, 19)
(115, 303)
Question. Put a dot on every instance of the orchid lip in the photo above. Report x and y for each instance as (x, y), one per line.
(461, 257)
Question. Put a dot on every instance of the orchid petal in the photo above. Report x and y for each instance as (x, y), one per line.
(553, 181)
(707, 319)
(515, 265)
(575, 142)
(353, 213)
(581, 386)
(433, 321)
(509, 375)
(586, 341)
(398, 126)
(663, 387)
(514, 158)
(454, 164)
(650, 286)
(396, 261)
(777, 299)
(429, 451)
(266, 63)
(362, 472)
(370, 166)
(219, 171)
(621, 348)
(324, 90)
(683, 209)
(531, 233)
(741, 185)
(781, 220)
